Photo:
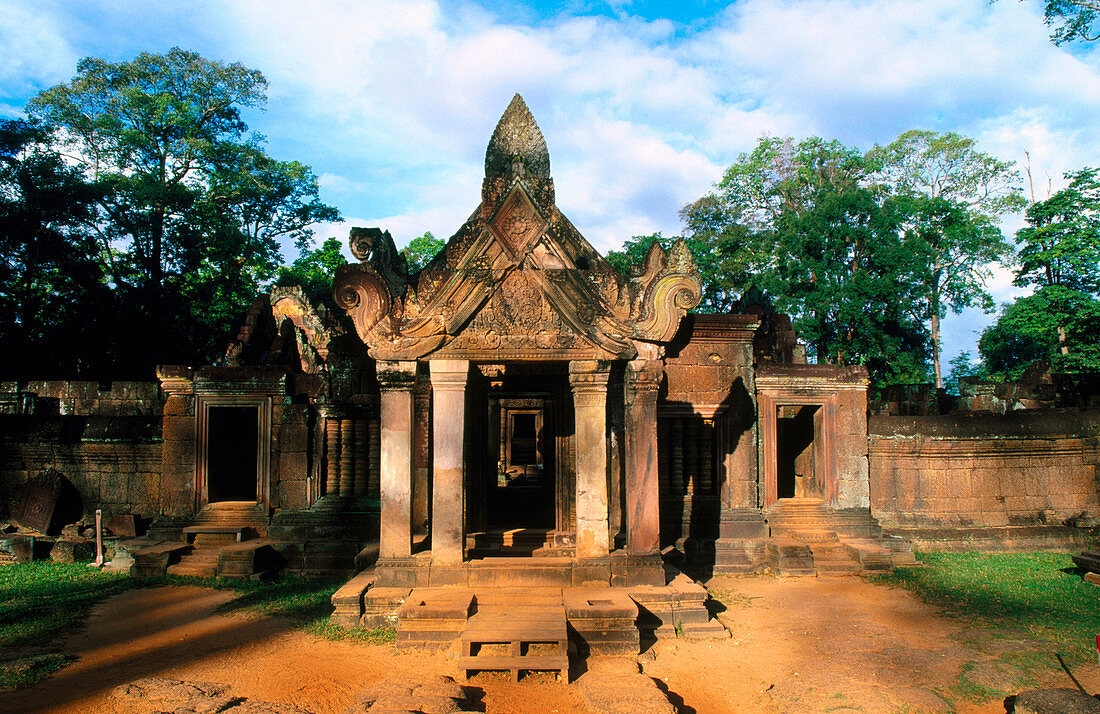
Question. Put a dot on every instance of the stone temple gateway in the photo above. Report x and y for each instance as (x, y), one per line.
(533, 445)
(579, 420)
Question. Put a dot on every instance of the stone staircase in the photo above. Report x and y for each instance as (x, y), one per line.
(225, 540)
(516, 637)
(808, 538)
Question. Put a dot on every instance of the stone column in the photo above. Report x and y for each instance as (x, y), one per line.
(589, 382)
(362, 458)
(449, 379)
(422, 452)
(332, 455)
(374, 431)
(396, 382)
(347, 458)
(643, 529)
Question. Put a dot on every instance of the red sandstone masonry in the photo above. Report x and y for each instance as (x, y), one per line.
(985, 470)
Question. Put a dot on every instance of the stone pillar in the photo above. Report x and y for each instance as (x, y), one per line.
(589, 382)
(362, 458)
(643, 527)
(347, 458)
(676, 461)
(374, 429)
(449, 379)
(396, 382)
(332, 455)
(422, 452)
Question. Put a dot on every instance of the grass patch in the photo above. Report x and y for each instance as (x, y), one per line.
(307, 603)
(1037, 593)
(39, 604)
(1023, 608)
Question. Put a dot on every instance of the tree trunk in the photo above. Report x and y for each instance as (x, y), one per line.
(936, 338)
(1063, 341)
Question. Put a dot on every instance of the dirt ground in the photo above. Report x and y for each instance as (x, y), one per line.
(798, 645)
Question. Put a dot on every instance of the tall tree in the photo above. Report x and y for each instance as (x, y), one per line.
(51, 289)
(313, 270)
(193, 205)
(952, 194)
(1061, 243)
(804, 222)
(1056, 324)
(420, 251)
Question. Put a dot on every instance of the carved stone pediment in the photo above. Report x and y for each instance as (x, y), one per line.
(517, 281)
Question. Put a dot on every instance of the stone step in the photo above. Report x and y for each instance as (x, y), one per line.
(197, 569)
(1089, 561)
(518, 638)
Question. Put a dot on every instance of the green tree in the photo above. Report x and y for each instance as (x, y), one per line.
(961, 365)
(952, 195)
(420, 251)
(313, 270)
(1061, 244)
(805, 223)
(1056, 323)
(1071, 19)
(51, 286)
(193, 207)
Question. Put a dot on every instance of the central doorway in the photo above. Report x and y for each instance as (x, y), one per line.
(232, 453)
(798, 463)
(521, 491)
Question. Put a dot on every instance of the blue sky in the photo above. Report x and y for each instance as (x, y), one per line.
(642, 103)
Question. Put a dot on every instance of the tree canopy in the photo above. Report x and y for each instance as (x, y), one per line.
(188, 206)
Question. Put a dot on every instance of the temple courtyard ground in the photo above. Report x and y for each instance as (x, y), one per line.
(797, 645)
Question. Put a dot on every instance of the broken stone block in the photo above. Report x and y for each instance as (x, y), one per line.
(72, 550)
(162, 690)
(1045, 701)
(123, 526)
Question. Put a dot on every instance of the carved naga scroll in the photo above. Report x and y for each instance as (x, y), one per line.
(668, 287)
(362, 292)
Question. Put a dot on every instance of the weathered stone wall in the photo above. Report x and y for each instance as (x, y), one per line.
(104, 438)
(986, 470)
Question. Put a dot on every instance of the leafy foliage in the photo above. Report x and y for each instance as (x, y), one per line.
(803, 222)
(1055, 323)
(420, 251)
(51, 281)
(1072, 20)
(313, 270)
(189, 206)
(1061, 244)
(951, 194)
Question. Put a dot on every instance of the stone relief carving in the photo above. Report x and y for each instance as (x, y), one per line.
(516, 279)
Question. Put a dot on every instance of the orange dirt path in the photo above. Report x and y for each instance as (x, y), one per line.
(805, 645)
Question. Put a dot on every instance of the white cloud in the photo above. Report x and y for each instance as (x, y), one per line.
(393, 101)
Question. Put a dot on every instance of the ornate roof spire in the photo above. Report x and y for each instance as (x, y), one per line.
(517, 148)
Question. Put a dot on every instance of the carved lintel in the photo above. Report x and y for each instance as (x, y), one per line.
(670, 286)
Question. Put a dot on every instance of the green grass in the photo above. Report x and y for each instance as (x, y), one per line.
(39, 604)
(1036, 599)
(305, 602)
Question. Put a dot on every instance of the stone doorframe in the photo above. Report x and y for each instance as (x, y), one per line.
(203, 404)
(769, 401)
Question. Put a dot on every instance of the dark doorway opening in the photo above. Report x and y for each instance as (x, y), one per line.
(232, 454)
(797, 470)
(521, 494)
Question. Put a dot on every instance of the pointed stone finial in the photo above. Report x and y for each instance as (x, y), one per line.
(517, 147)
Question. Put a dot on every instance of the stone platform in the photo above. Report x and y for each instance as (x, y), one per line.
(598, 620)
